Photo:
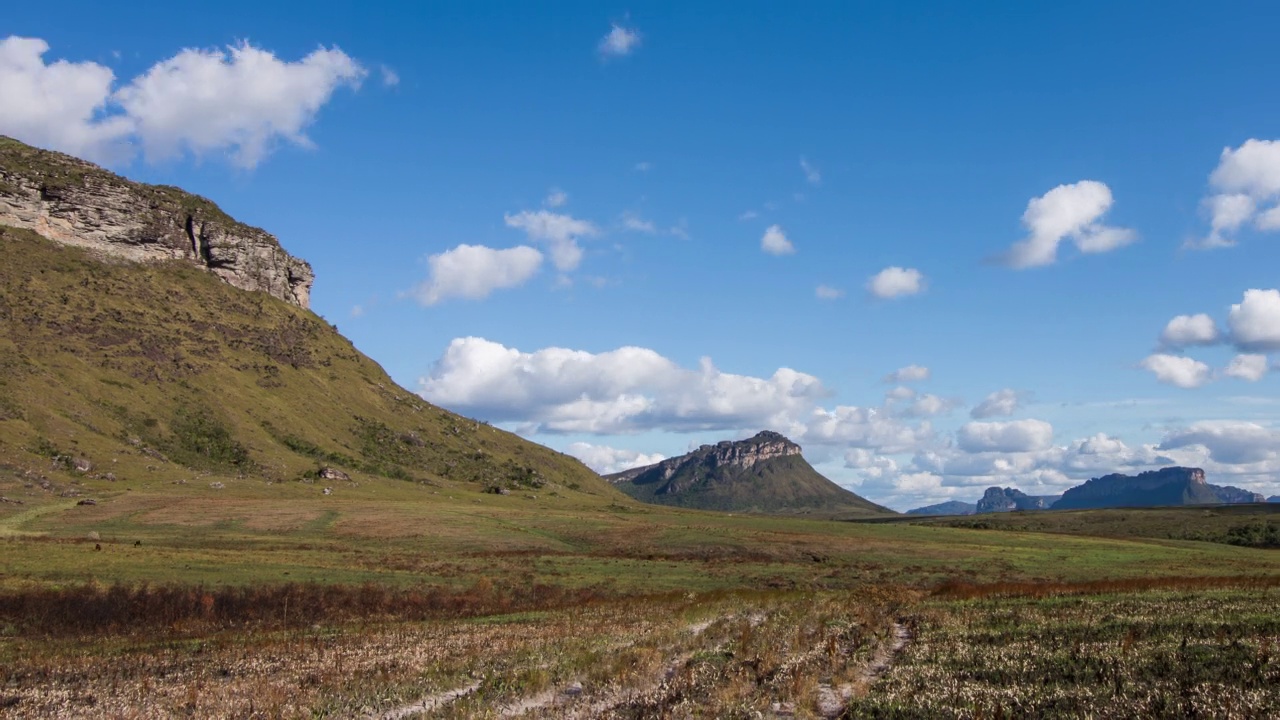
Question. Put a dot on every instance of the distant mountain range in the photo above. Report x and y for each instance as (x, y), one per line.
(765, 474)
(1169, 486)
(950, 507)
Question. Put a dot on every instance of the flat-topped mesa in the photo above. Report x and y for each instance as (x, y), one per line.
(74, 202)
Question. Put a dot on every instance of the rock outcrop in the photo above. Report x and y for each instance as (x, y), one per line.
(765, 473)
(997, 499)
(74, 202)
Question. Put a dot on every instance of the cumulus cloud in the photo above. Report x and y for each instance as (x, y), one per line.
(60, 105)
(473, 272)
(605, 460)
(560, 232)
(862, 427)
(1176, 370)
(242, 101)
(1229, 442)
(1001, 402)
(826, 292)
(1185, 330)
(1247, 367)
(619, 391)
(1067, 212)
(1246, 187)
(1005, 437)
(1254, 322)
(619, 42)
(775, 241)
(893, 282)
(811, 173)
(910, 373)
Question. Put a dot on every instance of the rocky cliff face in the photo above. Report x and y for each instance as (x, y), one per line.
(1168, 486)
(1234, 495)
(77, 203)
(997, 499)
(726, 454)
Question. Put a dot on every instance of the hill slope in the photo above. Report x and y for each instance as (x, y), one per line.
(150, 371)
(765, 473)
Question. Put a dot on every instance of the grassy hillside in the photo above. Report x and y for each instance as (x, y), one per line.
(162, 374)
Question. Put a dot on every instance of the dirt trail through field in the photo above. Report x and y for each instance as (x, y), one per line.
(570, 704)
(832, 701)
(426, 704)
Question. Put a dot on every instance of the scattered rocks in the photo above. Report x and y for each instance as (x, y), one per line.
(329, 473)
(497, 490)
(93, 535)
(216, 485)
(88, 501)
(8, 500)
(573, 689)
(328, 491)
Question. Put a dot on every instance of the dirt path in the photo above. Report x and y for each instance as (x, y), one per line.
(569, 703)
(832, 701)
(426, 704)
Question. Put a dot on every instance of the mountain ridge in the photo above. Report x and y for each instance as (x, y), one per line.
(765, 473)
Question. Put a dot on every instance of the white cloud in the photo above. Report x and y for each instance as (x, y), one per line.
(893, 282)
(826, 292)
(1247, 187)
(910, 373)
(242, 101)
(1247, 367)
(1067, 211)
(749, 215)
(862, 427)
(1005, 437)
(926, 405)
(1001, 402)
(775, 241)
(811, 173)
(635, 223)
(1229, 442)
(59, 105)
(475, 271)
(1185, 330)
(605, 460)
(390, 78)
(619, 391)
(643, 166)
(556, 198)
(1176, 370)
(1255, 321)
(560, 232)
(620, 41)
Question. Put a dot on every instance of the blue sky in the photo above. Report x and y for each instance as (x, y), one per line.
(590, 178)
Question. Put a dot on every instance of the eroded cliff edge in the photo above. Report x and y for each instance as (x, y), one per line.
(74, 202)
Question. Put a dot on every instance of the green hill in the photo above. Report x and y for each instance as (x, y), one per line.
(764, 474)
(157, 371)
